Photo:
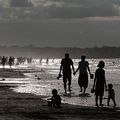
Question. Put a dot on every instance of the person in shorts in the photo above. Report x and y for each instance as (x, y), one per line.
(65, 68)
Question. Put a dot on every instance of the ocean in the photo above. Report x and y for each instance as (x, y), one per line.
(48, 72)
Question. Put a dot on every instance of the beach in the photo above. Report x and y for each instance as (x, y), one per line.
(18, 104)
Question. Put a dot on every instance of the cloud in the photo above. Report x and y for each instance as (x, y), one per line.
(117, 8)
(79, 8)
(46, 3)
(73, 8)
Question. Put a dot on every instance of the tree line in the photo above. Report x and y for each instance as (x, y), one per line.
(52, 52)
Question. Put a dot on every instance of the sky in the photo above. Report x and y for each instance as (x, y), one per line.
(66, 23)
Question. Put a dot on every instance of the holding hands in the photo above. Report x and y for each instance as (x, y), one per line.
(74, 73)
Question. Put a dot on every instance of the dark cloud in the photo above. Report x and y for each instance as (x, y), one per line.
(69, 8)
(79, 8)
(61, 33)
(97, 26)
(20, 3)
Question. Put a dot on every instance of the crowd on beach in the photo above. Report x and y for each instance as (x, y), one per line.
(66, 68)
(11, 60)
(99, 85)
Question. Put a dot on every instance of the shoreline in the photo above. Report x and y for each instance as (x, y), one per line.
(15, 72)
(27, 106)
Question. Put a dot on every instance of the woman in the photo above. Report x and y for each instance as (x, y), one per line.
(99, 82)
(83, 74)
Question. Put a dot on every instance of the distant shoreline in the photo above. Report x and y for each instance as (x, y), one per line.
(55, 53)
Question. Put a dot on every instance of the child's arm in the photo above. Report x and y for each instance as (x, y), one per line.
(105, 83)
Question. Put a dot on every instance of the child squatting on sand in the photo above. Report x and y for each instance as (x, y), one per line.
(55, 100)
(111, 94)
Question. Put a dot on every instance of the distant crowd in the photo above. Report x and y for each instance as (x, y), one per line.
(11, 60)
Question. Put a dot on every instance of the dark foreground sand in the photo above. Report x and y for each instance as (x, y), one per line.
(19, 106)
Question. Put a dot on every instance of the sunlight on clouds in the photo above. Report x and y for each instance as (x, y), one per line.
(117, 7)
(4, 3)
(109, 18)
(50, 3)
(46, 3)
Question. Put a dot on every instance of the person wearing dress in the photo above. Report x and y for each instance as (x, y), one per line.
(99, 83)
(83, 67)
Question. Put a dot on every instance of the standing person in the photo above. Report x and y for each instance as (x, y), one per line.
(10, 61)
(111, 94)
(83, 74)
(3, 61)
(65, 67)
(99, 82)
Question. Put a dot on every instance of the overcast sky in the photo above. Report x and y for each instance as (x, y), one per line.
(88, 23)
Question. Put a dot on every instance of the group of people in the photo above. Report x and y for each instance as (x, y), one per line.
(65, 70)
(5, 60)
(83, 68)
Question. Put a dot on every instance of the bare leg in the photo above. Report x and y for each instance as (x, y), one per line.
(69, 82)
(69, 87)
(114, 101)
(65, 87)
(101, 97)
(96, 100)
(79, 83)
(108, 101)
(80, 88)
(84, 89)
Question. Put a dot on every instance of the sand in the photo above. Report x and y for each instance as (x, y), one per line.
(19, 106)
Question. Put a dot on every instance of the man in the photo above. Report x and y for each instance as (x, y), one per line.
(65, 67)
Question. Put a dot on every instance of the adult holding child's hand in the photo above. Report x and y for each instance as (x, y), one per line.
(99, 83)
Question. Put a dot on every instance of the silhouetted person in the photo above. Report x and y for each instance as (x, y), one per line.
(55, 100)
(0, 59)
(47, 61)
(111, 94)
(10, 61)
(29, 60)
(65, 67)
(40, 60)
(83, 67)
(99, 82)
(21, 60)
(3, 61)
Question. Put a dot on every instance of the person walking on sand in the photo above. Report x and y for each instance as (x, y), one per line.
(4, 61)
(83, 74)
(65, 68)
(99, 83)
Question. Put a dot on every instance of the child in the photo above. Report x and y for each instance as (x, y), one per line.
(111, 94)
(55, 100)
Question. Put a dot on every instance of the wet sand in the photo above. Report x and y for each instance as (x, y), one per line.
(20, 106)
